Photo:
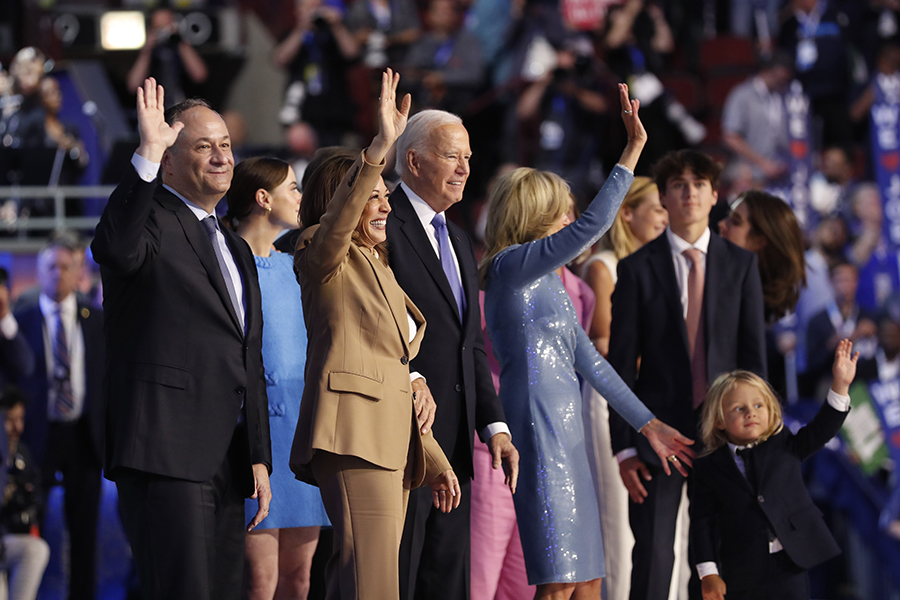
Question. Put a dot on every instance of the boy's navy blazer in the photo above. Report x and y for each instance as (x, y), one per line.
(730, 518)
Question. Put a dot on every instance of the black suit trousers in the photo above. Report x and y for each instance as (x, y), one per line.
(653, 525)
(435, 548)
(187, 537)
(70, 453)
(784, 580)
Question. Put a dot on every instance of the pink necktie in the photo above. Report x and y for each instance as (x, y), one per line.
(694, 323)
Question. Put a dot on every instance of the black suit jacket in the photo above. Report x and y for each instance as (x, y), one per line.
(648, 322)
(730, 517)
(180, 366)
(867, 369)
(36, 386)
(452, 357)
(16, 358)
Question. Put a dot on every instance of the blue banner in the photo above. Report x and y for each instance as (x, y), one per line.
(885, 397)
(796, 105)
(885, 136)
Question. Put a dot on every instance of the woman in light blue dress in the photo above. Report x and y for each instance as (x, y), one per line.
(262, 202)
(540, 345)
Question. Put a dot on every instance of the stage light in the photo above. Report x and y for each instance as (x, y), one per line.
(122, 30)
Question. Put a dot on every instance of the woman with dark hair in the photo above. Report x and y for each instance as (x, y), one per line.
(262, 202)
(766, 225)
(357, 437)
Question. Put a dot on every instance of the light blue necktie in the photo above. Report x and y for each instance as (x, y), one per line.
(443, 238)
(210, 224)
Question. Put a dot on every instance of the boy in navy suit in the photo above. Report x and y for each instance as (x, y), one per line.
(753, 523)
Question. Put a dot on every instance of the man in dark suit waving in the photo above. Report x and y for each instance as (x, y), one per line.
(187, 417)
(689, 306)
(435, 265)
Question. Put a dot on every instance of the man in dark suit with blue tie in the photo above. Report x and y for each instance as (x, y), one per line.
(187, 418)
(435, 265)
(688, 305)
(65, 422)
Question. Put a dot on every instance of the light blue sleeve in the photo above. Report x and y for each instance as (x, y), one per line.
(602, 377)
(520, 265)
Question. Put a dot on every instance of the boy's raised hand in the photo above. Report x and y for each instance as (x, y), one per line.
(844, 369)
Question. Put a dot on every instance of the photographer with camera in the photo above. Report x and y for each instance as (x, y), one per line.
(316, 54)
(169, 59)
(445, 68)
(561, 118)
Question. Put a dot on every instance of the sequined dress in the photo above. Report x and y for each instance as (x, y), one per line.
(540, 345)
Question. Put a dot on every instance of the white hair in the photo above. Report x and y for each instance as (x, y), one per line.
(417, 133)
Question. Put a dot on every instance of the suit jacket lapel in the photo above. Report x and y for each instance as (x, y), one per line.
(724, 462)
(396, 303)
(664, 269)
(715, 269)
(199, 240)
(242, 259)
(464, 269)
(765, 452)
(418, 239)
(33, 320)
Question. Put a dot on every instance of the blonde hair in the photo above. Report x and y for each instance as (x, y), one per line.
(713, 418)
(523, 206)
(620, 239)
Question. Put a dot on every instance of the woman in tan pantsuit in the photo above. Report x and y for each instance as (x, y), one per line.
(357, 437)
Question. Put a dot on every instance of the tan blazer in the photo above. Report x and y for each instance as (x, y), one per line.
(357, 400)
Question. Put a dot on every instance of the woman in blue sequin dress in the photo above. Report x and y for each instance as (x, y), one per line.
(540, 346)
(263, 201)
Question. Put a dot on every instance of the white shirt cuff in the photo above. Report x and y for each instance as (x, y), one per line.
(9, 327)
(493, 429)
(625, 454)
(146, 169)
(415, 375)
(707, 568)
(838, 402)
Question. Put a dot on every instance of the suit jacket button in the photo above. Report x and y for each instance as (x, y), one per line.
(240, 389)
(761, 499)
(458, 388)
(404, 360)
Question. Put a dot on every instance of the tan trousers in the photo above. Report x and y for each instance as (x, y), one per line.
(367, 507)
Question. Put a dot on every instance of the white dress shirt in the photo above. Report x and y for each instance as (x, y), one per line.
(75, 338)
(838, 402)
(426, 214)
(147, 171)
(682, 264)
(887, 369)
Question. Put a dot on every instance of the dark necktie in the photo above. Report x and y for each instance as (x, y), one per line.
(443, 238)
(694, 324)
(210, 224)
(62, 366)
